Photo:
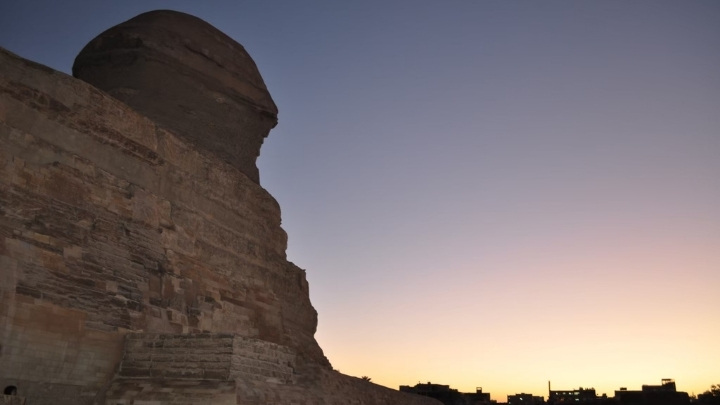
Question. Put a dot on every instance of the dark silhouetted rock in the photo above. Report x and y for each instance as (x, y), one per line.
(187, 76)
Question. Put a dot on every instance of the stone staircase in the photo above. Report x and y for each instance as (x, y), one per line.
(195, 368)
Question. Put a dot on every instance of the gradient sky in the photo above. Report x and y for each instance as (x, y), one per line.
(483, 193)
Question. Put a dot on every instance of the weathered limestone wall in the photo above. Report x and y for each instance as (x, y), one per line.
(196, 368)
(49, 354)
(326, 388)
(206, 366)
(112, 224)
(198, 356)
(13, 400)
(206, 356)
(140, 391)
(115, 225)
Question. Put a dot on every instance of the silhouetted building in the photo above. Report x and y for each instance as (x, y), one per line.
(525, 399)
(447, 395)
(478, 397)
(578, 396)
(442, 393)
(663, 394)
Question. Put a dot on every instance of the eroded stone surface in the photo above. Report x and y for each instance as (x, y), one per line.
(113, 225)
(155, 366)
(188, 77)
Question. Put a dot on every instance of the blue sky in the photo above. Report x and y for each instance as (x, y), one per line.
(485, 193)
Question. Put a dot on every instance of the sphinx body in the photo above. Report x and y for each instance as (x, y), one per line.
(140, 259)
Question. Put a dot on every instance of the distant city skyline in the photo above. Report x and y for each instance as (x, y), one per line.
(664, 393)
(494, 193)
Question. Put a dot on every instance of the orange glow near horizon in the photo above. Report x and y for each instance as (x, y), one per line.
(621, 317)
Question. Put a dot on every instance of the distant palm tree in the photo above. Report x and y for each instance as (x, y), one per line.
(365, 378)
